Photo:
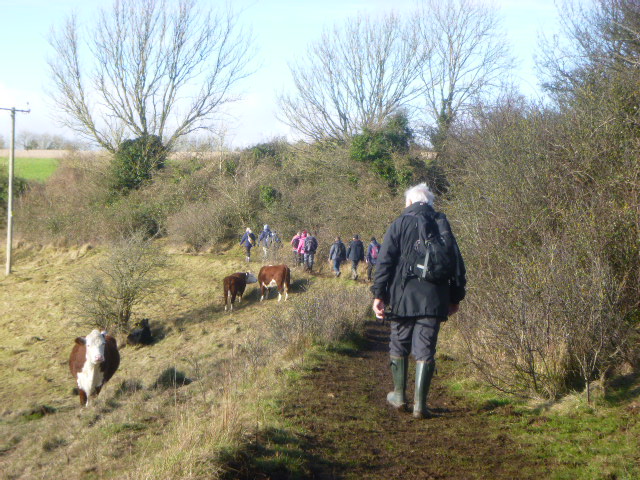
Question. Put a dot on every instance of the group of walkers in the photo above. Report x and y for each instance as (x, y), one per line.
(305, 246)
(268, 239)
(355, 254)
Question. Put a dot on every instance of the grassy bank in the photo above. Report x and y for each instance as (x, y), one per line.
(176, 409)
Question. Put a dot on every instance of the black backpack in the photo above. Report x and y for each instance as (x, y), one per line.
(433, 257)
(310, 244)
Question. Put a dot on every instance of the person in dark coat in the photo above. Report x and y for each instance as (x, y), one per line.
(417, 307)
(248, 241)
(372, 257)
(337, 255)
(310, 248)
(355, 253)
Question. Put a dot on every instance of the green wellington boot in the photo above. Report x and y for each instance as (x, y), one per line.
(424, 373)
(399, 373)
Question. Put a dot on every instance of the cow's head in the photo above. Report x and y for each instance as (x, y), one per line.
(95, 343)
(251, 278)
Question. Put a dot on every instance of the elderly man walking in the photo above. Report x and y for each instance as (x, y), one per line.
(420, 276)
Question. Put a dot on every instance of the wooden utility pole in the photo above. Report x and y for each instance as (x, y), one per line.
(10, 184)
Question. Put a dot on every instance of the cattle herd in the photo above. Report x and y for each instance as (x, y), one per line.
(95, 358)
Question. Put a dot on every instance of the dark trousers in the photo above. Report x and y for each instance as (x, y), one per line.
(336, 265)
(418, 336)
(370, 268)
(354, 268)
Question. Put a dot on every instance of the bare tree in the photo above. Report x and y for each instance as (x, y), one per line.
(154, 68)
(469, 60)
(353, 77)
(604, 35)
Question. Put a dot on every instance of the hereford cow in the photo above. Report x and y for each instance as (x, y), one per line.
(94, 359)
(234, 285)
(275, 276)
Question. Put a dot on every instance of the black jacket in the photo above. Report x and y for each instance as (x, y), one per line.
(409, 296)
(355, 252)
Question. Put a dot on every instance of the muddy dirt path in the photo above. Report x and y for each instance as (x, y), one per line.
(352, 434)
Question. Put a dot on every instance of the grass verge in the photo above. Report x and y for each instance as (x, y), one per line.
(577, 440)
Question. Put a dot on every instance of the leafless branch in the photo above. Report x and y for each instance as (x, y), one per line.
(153, 68)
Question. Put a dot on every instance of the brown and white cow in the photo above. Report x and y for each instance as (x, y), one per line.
(234, 285)
(93, 361)
(275, 276)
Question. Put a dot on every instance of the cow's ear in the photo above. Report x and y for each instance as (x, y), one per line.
(81, 340)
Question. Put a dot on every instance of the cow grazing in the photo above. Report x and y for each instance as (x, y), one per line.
(234, 285)
(93, 361)
(141, 335)
(275, 276)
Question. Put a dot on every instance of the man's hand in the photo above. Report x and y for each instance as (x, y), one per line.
(453, 308)
(378, 308)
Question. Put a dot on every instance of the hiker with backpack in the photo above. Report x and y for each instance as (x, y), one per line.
(337, 255)
(265, 239)
(310, 247)
(420, 277)
(355, 253)
(300, 248)
(248, 241)
(372, 257)
(295, 241)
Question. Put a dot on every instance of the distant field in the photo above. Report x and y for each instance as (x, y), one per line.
(38, 169)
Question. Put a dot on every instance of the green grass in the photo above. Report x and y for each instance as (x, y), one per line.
(602, 443)
(577, 440)
(37, 169)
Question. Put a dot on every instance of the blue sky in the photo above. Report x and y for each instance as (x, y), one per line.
(282, 28)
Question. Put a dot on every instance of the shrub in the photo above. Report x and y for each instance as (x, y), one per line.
(276, 152)
(70, 207)
(109, 292)
(19, 187)
(199, 224)
(322, 316)
(378, 147)
(268, 195)
(536, 223)
(135, 161)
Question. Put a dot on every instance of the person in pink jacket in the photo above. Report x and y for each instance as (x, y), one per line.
(300, 249)
(295, 242)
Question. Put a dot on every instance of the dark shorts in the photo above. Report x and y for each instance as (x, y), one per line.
(414, 335)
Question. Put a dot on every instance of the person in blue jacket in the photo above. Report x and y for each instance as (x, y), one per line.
(248, 241)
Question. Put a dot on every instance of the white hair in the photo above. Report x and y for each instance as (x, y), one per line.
(419, 193)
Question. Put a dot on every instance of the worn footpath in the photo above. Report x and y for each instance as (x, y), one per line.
(350, 433)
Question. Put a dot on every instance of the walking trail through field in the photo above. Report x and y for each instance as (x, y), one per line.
(351, 433)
